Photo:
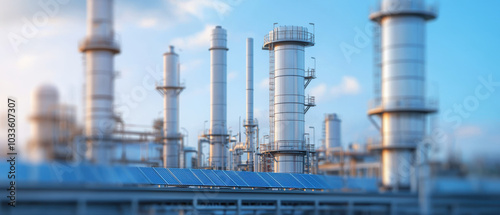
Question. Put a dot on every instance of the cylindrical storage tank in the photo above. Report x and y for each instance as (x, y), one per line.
(45, 102)
(99, 48)
(218, 101)
(332, 131)
(188, 159)
(288, 43)
(403, 107)
(171, 108)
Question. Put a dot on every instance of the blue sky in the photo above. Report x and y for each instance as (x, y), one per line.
(462, 47)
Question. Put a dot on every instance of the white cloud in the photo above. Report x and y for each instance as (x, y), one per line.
(348, 86)
(198, 40)
(148, 22)
(232, 75)
(201, 8)
(264, 84)
(319, 91)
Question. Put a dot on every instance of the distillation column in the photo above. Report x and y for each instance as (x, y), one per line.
(171, 89)
(332, 134)
(288, 146)
(250, 122)
(218, 101)
(403, 105)
(44, 123)
(99, 48)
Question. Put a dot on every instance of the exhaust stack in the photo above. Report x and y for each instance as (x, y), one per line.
(250, 122)
(218, 99)
(99, 48)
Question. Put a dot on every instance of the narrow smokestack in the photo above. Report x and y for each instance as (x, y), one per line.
(250, 124)
(218, 101)
(99, 48)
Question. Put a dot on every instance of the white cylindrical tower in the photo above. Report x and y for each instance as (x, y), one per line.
(250, 122)
(332, 131)
(288, 146)
(403, 105)
(99, 48)
(171, 89)
(45, 102)
(218, 98)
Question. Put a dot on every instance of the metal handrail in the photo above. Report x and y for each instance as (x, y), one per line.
(405, 6)
(431, 103)
(293, 34)
(99, 41)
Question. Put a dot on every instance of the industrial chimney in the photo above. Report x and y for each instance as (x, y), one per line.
(99, 48)
(287, 49)
(218, 102)
(402, 106)
(171, 89)
(250, 123)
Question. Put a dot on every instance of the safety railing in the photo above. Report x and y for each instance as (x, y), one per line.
(289, 33)
(429, 103)
(96, 42)
(286, 145)
(404, 5)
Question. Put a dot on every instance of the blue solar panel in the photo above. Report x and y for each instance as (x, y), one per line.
(253, 179)
(317, 181)
(125, 176)
(167, 176)
(304, 181)
(89, 174)
(334, 182)
(152, 175)
(137, 175)
(217, 181)
(228, 181)
(270, 180)
(236, 178)
(286, 180)
(185, 176)
(108, 175)
(62, 172)
(203, 178)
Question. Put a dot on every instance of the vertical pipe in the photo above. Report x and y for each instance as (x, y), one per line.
(172, 86)
(99, 47)
(249, 118)
(218, 102)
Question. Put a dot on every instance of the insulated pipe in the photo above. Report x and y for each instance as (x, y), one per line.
(171, 86)
(99, 48)
(250, 124)
(403, 106)
(218, 101)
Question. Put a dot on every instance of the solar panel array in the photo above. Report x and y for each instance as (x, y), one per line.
(139, 176)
